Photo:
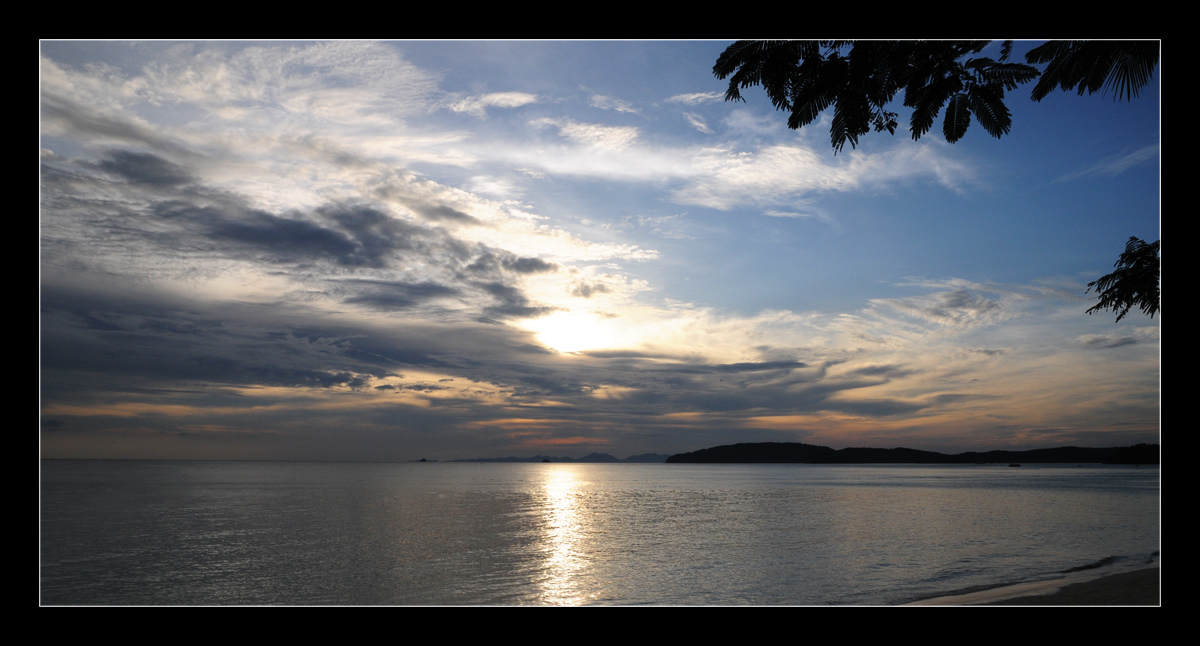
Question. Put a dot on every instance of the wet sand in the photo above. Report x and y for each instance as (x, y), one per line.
(1136, 588)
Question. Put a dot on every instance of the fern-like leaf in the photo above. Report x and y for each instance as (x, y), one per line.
(1133, 283)
(988, 107)
(958, 118)
(1094, 66)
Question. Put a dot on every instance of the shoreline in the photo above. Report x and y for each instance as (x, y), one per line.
(1140, 587)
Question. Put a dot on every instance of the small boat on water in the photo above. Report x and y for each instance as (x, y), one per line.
(1014, 464)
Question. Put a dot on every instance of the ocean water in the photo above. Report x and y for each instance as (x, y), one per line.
(170, 532)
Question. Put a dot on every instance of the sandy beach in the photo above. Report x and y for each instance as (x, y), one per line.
(1136, 588)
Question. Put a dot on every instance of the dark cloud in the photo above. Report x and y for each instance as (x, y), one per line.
(953, 398)
(541, 383)
(353, 235)
(757, 366)
(376, 233)
(489, 263)
(991, 352)
(281, 239)
(144, 168)
(305, 378)
(425, 388)
(529, 265)
(94, 321)
(511, 303)
(875, 407)
(59, 112)
(441, 213)
(626, 354)
(887, 372)
(167, 213)
(388, 296)
(584, 290)
(694, 368)
(156, 340)
(349, 235)
(1103, 341)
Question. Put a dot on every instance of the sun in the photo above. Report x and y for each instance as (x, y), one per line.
(579, 331)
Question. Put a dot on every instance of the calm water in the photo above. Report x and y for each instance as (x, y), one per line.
(145, 532)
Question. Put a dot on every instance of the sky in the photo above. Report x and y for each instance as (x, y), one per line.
(441, 250)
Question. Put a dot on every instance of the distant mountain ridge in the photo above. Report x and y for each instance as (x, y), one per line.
(798, 453)
(590, 458)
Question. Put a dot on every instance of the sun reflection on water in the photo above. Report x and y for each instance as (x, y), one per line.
(562, 536)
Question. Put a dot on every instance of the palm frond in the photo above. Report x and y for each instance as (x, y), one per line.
(1094, 66)
(1132, 70)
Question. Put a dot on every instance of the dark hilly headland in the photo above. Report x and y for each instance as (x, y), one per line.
(797, 453)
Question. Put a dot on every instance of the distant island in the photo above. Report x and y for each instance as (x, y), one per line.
(797, 453)
(591, 458)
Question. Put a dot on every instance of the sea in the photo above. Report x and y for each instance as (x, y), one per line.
(141, 532)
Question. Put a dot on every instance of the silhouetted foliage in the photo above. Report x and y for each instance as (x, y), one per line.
(859, 79)
(1134, 283)
(1094, 65)
(805, 77)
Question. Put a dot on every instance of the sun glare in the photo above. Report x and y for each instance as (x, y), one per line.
(579, 332)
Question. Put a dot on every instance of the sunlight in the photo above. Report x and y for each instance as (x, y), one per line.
(579, 331)
(562, 525)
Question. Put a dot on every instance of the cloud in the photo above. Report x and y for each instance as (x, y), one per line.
(724, 178)
(991, 352)
(352, 235)
(781, 173)
(144, 168)
(586, 290)
(489, 263)
(440, 213)
(607, 138)
(63, 116)
(612, 103)
(1104, 341)
(279, 241)
(742, 121)
(395, 295)
(697, 98)
(1115, 165)
(697, 122)
(820, 215)
(667, 226)
(477, 105)
(501, 187)
(959, 308)
(510, 303)
(167, 223)
(334, 81)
